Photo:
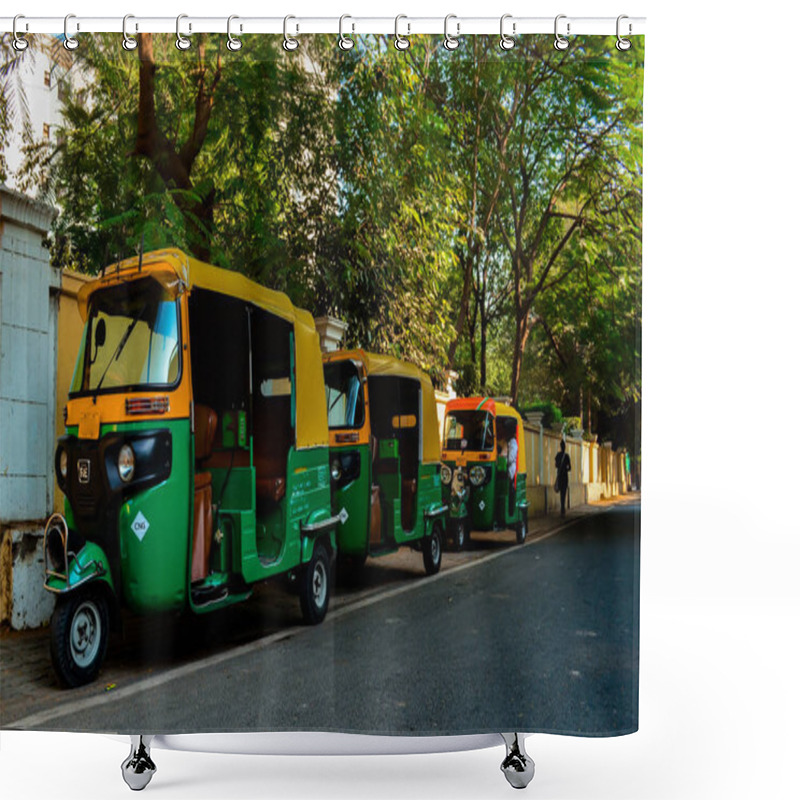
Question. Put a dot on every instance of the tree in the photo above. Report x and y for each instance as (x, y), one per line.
(223, 155)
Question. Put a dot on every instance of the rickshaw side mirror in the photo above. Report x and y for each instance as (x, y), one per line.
(99, 338)
(100, 334)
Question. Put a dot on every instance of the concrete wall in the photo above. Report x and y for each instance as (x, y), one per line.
(28, 312)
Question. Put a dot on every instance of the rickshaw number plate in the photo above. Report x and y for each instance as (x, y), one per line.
(84, 470)
(140, 526)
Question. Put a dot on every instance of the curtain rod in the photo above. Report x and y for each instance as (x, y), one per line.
(350, 25)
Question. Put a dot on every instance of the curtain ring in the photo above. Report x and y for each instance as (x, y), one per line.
(507, 42)
(20, 43)
(450, 42)
(128, 42)
(233, 43)
(560, 43)
(345, 42)
(623, 44)
(182, 43)
(400, 42)
(70, 42)
(289, 44)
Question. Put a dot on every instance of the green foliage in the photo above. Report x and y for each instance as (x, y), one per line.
(552, 413)
(468, 209)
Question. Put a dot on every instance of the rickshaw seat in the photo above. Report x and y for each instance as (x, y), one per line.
(272, 439)
(272, 488)
(409, 498)
(205, 429)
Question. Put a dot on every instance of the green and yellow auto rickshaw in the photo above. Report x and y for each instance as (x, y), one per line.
(483, 468)
(384, 449)
(195, 460)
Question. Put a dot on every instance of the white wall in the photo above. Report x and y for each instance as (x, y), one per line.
(28, 308)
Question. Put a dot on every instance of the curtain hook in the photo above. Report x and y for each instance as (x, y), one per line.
(70, 42)
(450, 42)
(182, 43)
(345, 42)
(128, 42)
(560, 43)
(20, 43)
(507, 42)
(400, 42)
(623, 44)
(233, 43)
(289, 43)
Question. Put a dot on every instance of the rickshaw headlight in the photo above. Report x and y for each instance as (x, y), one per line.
(447, 474)
(477, 475)
(336, 470)
(63, 461)
(126, 463)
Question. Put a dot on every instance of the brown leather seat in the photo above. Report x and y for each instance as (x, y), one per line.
(375, 518)
(205, 428)
(273, 488)
(272, 438)
(408, 500)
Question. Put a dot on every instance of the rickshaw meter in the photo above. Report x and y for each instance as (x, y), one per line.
(447, 474)
(125, 463)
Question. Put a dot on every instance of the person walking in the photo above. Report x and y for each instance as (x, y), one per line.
(563, 468)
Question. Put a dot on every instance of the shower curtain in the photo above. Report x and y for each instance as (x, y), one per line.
(472, 211)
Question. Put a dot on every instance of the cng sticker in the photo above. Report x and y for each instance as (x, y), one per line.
(481, 505)
(140, 526)
(343, 516)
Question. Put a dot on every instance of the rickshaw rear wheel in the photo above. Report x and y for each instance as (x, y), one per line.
(432, 550)
(314, 585)
(79, 636)
(522, 529)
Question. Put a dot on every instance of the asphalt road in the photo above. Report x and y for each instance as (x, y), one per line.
(540, 638)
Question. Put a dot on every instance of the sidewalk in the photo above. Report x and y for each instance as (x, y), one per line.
(151, 645)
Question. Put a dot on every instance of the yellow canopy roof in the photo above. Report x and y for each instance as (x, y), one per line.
(178, 272)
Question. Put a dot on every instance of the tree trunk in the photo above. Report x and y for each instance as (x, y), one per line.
(172, 165)
(521, 331)
(462, 312)
(482, 299)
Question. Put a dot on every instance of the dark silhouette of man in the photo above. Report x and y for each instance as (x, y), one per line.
(563, 468)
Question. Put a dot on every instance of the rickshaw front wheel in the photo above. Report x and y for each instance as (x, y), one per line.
(432, 550)
(522, 529)
(79, 636)
(314, 586)
(460, 534)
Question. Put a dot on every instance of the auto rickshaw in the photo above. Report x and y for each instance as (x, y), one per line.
(476, 480)
(384, 450)
(195, 460)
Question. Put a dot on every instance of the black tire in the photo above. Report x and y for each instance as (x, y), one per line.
(79, 636)
(314, 585)
(460, 534)
(522, 528)
(432, 550)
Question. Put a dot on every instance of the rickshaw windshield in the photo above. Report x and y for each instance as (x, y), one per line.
(344, 395)
(469, 430)
(131, 340)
